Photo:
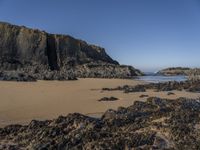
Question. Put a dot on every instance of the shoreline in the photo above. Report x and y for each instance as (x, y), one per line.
(22, 102)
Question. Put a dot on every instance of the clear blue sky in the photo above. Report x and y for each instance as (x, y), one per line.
(148, 34)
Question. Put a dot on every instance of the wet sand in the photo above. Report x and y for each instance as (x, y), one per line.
(21, 102)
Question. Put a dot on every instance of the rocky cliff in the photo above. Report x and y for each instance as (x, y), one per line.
(52, 56)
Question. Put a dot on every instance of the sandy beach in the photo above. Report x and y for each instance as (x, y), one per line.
(22, 102)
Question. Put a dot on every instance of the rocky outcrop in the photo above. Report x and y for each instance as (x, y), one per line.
(36, 52)
(174, 71)
(154, 124)
(189, 86)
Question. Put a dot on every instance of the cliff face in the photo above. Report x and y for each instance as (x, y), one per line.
(39, 53)
(20, 46)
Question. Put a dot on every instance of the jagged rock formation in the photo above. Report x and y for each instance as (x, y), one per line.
(174, 71)
(154, 124)
(38, 53)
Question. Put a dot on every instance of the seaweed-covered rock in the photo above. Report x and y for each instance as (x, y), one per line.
(108, 99)
(189, 85)
(154, 124)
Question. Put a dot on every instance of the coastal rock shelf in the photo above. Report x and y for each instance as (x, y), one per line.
(189, 85)
(47, 56)
(154, 124)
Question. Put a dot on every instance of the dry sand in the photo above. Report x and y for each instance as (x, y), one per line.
(20, 102)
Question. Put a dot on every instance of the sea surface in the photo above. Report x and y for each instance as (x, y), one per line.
(160, 78)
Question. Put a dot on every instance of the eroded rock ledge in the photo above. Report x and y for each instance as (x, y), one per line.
(154, 124)
(35, 52)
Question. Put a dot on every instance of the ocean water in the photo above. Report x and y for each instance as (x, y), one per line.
(160, 78)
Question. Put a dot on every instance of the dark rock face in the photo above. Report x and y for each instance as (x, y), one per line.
(51, 53)
(31, 51)
(154, 124)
